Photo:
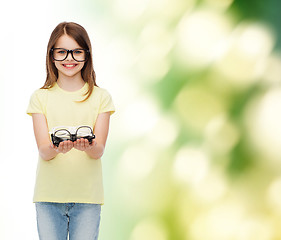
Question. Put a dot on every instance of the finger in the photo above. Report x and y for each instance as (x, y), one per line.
(86, 143)
(63, 147)
(60, 147)
(78, 143)
(82, 143)
(68, 145)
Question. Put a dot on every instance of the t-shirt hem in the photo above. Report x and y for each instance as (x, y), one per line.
(71, 201)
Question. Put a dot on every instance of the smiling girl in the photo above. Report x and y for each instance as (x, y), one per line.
(69, 192)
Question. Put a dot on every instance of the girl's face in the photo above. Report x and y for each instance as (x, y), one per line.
(68, 67)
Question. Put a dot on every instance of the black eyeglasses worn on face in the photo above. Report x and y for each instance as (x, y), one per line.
(78, 54)
(64, 134)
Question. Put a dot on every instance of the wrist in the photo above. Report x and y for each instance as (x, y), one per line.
(47, 152)
(96, 151)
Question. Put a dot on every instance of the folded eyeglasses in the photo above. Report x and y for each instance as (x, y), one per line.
(63, 134)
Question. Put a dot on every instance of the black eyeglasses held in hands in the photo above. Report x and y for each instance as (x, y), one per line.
(61, 135)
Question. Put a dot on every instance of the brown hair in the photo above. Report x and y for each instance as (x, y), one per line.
(79, 34)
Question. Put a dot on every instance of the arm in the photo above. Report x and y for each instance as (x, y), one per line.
(46, 149)
(96, 149)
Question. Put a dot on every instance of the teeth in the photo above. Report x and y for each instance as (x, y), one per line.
(69, 65)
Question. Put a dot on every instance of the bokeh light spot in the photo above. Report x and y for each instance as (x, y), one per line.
(164, 132)
(200, 35)
(263, 120)
(243, 56)
(219, 223)
(137, 161)
(197, 105)
(153, 62)
(220, 4)
(221, 135)
(130, 10)
(191, 165)
(272, 74)
(258, 228)
(140, 116)
(274, 195)
(149, 229)
(211, 189)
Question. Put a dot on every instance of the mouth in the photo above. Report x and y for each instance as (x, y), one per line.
(69, 66)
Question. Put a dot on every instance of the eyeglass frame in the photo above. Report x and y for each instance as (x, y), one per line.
(73, 137)
(70, 51)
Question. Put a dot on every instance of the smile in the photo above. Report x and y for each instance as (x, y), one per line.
(69, 66)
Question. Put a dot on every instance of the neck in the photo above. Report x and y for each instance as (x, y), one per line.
(71, 84)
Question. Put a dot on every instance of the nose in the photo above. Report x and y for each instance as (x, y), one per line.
(69, 56)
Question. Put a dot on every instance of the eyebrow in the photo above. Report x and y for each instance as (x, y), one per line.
(68, 49)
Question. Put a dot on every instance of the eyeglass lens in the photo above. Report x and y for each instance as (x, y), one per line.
(63, 134)
(83, 132)
(60, 54)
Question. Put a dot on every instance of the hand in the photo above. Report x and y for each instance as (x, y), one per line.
(63, 147)
(83, 144)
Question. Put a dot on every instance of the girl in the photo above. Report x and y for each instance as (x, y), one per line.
(68, 191)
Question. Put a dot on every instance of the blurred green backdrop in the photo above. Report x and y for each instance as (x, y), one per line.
(195, 143)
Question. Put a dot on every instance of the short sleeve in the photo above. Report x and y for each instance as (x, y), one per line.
(106, 103)
(35, 105)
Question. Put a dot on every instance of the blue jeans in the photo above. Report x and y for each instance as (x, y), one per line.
(56, 220)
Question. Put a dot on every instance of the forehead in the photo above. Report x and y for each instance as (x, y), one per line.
(65, 41)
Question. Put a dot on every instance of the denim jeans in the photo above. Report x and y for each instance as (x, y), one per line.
(56, 220)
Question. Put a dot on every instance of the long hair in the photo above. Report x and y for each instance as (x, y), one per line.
(79, 34)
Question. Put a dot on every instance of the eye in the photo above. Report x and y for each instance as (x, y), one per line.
(78, 51)
(61, 52)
